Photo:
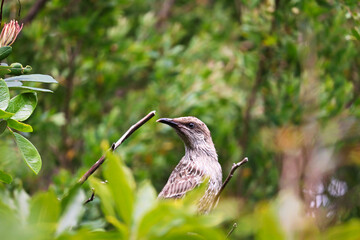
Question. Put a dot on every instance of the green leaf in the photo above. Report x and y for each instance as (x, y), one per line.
(5, 52)
(22, 105)
(14, 84)
(72, 209)
(32, 88)
(356, 33)
(4, 177)
(29, 153)
(4, 70)
(4, 95)
(122, 185)
(22, 127)
(102, 190)
(145, 198)
(32, 78)
(345, 231)
(5, 115)
(3, 125)
(44, 209)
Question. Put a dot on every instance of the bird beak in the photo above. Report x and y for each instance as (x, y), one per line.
(168, 121)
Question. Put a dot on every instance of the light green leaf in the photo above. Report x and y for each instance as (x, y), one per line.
(4, 70)
(121, 184)
(29, 153)
(33, 78)
(345, 231)
(5, 115)
(4, 95)
(22, 105)
(72, 209)
(5, 52)
(4, 177)
(145, 198)
(14, 84)
(45, 209)
(22, 127)
(102, 190)
(31, 88)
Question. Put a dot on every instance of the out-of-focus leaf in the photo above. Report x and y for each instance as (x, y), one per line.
(22, 105)
(4, 95)
(22, 127)
(4, 177)
(5, 115)
(122, 186)
(3, 125)
(346, 231)
(5, 52)
(102, 190)
(45, 211)
(29, 153)
(72, 209)
(145, 199)
(33, 78)
(356, 33)
(85, 234)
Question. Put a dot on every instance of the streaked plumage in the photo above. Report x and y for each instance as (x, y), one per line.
(199, 162)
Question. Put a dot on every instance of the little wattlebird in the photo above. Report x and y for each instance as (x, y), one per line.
(200, 162)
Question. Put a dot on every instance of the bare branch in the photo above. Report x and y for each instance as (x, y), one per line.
(231, 173)
(91, 198)
(131, 130)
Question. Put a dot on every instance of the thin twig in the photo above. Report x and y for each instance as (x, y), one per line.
(131, 130)
(231, 173)
(234, 226)
(91, 198)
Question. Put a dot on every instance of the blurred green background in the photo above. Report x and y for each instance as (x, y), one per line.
(276, 81)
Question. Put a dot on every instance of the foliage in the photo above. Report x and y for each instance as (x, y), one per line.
(275, 81)
(19, 108)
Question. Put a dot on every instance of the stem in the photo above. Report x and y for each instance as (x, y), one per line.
(128, 133)
(234, 226)
(231, 173)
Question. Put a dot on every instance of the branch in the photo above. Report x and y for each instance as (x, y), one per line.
(39, 5)
(231, 173)
(131, 130)
(91, 198)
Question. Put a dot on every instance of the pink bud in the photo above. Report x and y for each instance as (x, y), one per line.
(9, 33)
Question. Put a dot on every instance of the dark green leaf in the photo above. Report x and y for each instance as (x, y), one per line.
(5, 52)
(5, 115)
(4, 95)
(22, 105)
(22, 127)
(4, 177)
(356, 33)
(29, 153)
(3, 125)
(33, 78)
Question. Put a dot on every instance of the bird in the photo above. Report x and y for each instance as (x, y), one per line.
(200, 162)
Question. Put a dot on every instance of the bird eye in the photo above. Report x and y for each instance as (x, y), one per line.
(191, 125)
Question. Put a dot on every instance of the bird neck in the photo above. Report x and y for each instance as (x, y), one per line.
(206, 151)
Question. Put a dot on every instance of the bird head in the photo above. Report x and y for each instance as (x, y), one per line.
(194, 133)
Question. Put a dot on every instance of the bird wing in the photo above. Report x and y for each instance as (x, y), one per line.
(185, 177)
